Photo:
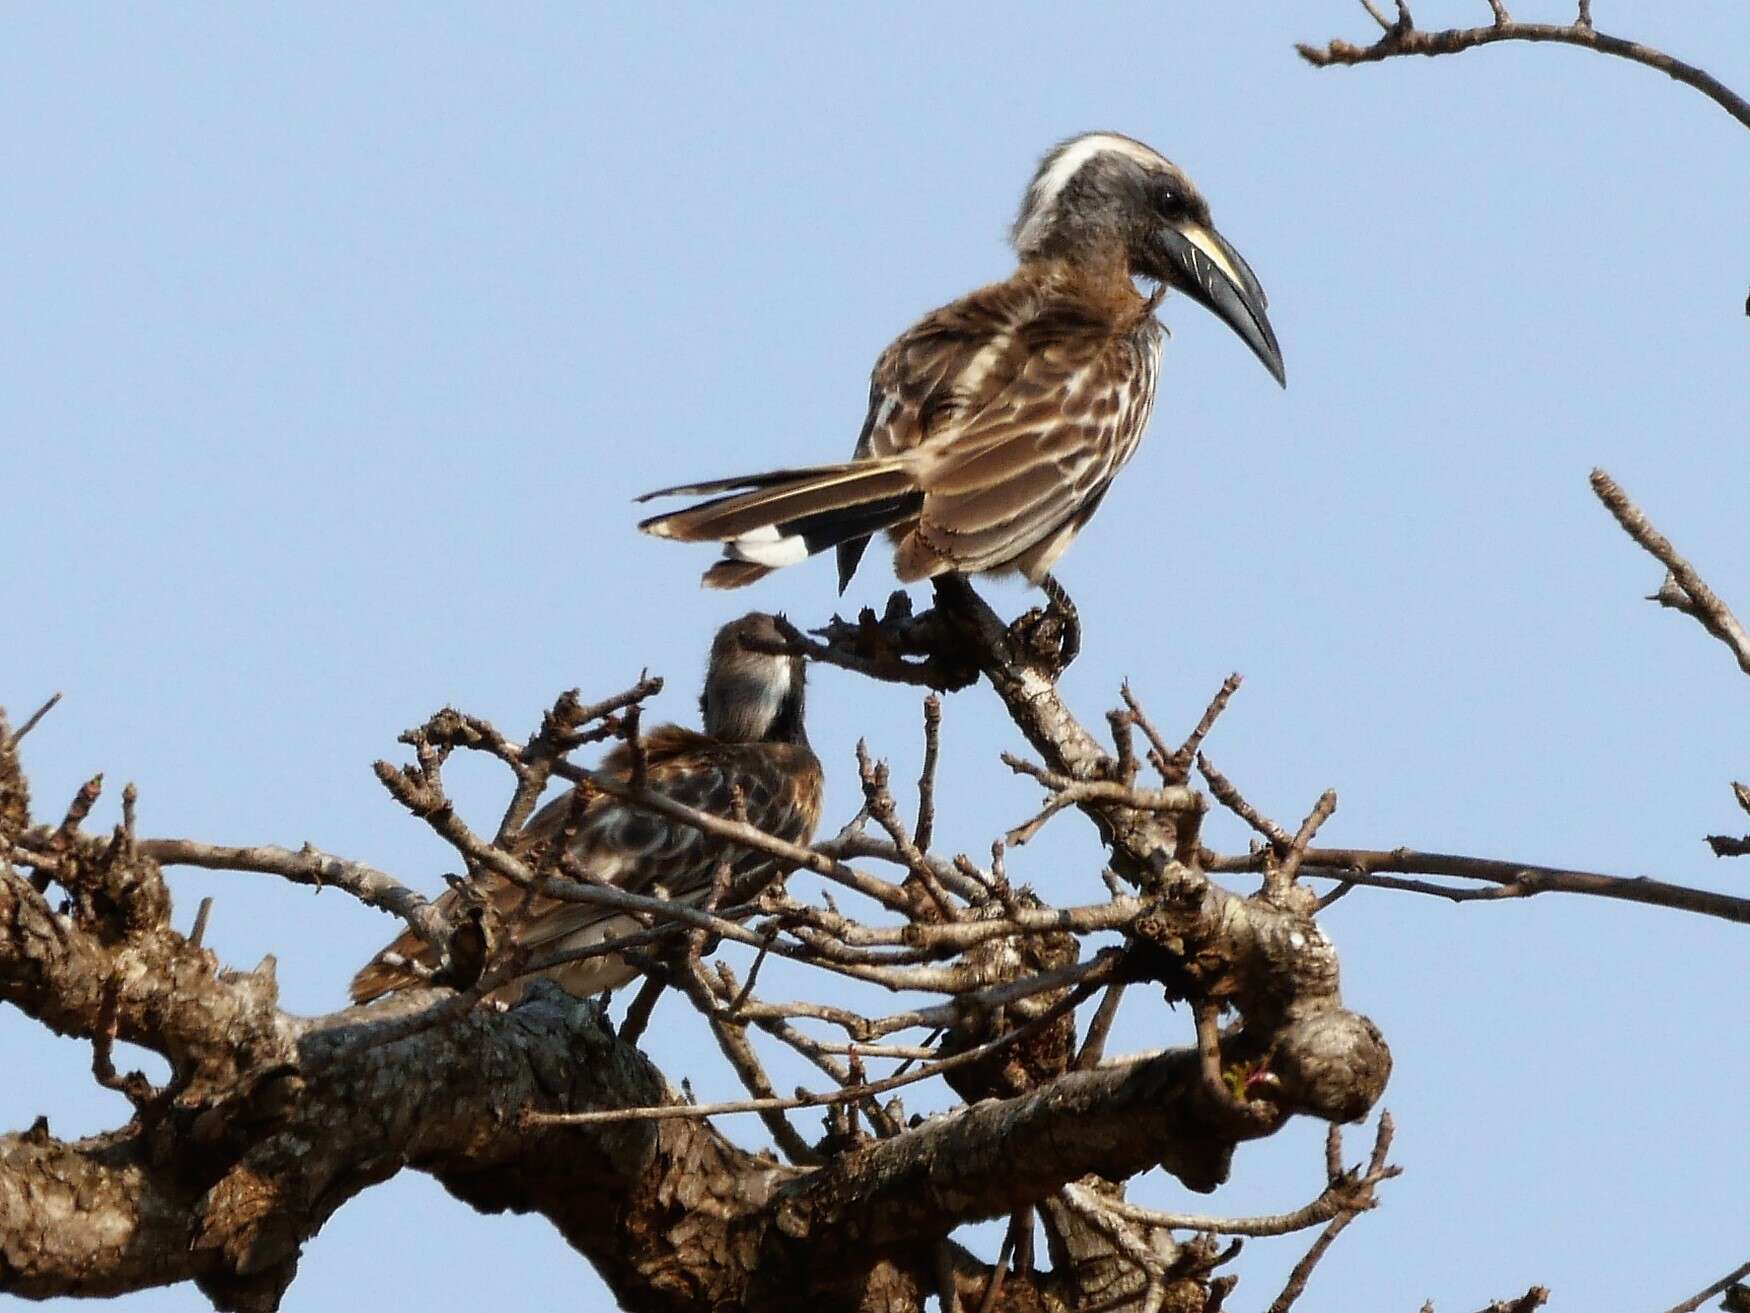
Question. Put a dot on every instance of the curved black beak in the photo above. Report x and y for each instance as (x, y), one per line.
(1199, 262)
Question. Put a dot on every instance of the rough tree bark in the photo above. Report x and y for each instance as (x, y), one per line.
(270, 1122)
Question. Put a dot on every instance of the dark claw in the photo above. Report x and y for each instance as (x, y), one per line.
(1068, 617)
(1050, 636)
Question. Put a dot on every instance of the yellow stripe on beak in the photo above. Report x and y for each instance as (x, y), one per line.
(1205, 241)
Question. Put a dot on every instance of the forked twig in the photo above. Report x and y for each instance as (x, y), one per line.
(1403, 37)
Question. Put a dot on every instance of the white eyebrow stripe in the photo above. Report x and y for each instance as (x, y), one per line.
(1048, 186)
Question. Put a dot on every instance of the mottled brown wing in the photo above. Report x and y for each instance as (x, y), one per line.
(1023, 400)
(1038, 456)
(639, 851)
(946, 367)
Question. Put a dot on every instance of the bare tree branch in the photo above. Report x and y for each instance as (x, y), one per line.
(1719, 1287)
(1043, 1117)
(1360, 1198)
(1345, 1191)
(33, 720)
(1512, 879)
(1403, 37)
(924, 831)
(1684, 589)
(1178, 767)
(1280, 878)
(1533, 1299)
(1231, 798)
(828, 1098)
(309, 865)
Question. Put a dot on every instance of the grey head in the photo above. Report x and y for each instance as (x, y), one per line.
(1103, 192)
(752, 696)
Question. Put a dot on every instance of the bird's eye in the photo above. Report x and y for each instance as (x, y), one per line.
(1168, 200)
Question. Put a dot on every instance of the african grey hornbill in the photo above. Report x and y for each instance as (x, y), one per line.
(997, 423)
(751, 761)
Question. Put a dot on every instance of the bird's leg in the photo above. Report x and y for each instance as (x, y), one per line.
(1051, 635)
(1071, 645)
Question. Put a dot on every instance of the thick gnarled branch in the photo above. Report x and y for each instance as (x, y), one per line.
(1004, 963)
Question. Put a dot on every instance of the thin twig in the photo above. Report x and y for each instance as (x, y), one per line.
(1684, 589)
(731, 1036)
(821, 1054)
(199, 931)
(753, 973)
(1094, 1044)
(638, 1011)
(993, 1287)
(1533, 1299)
(34, 719)
(1376, 1171)
(1179, 764)
(1719, 1287)
(1172, 800)
(560, 732)
(1231, 798)
(1303, 1270)
(878, 802)
(1345, 1191)
(965, 880)
(1159, 753)
(310, 866)
(1404, 38)
(924, 831)
(1514, 879)
(1279, 878)
(77, 811)
(823, 1099)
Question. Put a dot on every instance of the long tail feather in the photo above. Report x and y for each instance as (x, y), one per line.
(777, 519)
(799, 495)
(770, 478)
(729, 573)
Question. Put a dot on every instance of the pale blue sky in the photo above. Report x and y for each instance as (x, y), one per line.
(339, 338)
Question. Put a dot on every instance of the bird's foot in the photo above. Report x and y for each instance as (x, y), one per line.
(1050, 635)
(1067, 615)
